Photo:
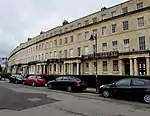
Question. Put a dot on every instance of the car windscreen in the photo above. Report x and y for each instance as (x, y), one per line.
(38, 77)
(19, 76)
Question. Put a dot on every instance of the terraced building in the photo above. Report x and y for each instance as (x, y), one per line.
(123, 44)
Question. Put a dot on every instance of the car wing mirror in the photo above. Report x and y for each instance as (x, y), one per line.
(113, 85)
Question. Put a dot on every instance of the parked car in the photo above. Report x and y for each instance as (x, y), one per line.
(16, 78)
(135, 88)
(34, 81)
(67, 83)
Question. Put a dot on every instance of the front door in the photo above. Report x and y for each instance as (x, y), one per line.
(142, 68)
(127, 67)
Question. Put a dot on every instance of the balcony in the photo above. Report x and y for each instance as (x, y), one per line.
(100, 55)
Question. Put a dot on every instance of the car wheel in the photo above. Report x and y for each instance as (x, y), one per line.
(33, 84)
(24, 83)
(50, 86)
(106, 94)
(147, 99)
(16, 82)
(69, 89)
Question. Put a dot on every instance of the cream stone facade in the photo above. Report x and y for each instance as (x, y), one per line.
(123, 48)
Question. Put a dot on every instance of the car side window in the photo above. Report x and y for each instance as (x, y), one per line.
(59, 79)
(66, 78)
(38, 77)
(123, 82)
(138, 82)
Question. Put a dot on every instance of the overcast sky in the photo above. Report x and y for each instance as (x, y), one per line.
(20, 19)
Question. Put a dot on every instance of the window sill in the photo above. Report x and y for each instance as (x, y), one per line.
(115, 72)
(86, 73)
(104, 72)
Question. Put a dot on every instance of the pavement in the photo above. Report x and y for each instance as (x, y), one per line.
(20, 100)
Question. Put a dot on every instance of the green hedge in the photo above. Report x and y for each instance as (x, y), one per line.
(5, 75)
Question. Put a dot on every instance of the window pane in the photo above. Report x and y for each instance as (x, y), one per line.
(142, 43)
(114, 28)
(86, 22)
(125, 10)
(86, 50)
(71, 38)
(139, 5)
(115, 65)
(125, 25)
(104, 30)
(86, 35)
(104, 46)
(94, 20)
(104, 65)
(140, 21)
(79, 51)
(126, 43)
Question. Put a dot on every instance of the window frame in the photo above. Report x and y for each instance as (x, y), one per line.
(105, 66)
(139, 5)
(115, 65)
(140, 22)
(125, 25)
(114, 28)
(142, 44)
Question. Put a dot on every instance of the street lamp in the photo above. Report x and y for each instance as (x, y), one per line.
(94, 37)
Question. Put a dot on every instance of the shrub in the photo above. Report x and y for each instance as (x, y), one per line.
(5, 75)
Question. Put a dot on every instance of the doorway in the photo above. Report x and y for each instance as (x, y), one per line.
(142, 66)
(127, 66)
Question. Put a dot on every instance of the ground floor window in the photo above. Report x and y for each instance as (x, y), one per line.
(86, 67)
(104, 65)
(94, 66)
(50, 67)
(115, 65)
(54, 67)
(60, 68)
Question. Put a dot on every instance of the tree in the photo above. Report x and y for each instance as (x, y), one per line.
(0, 68)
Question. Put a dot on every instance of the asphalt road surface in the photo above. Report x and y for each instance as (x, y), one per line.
(20, 100)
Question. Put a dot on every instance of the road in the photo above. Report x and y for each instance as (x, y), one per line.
(20, 100)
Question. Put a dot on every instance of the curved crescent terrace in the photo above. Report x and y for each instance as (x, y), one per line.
(122, 47)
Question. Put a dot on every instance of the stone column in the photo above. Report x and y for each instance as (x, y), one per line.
(68, 68)
(71, 68)
(40, 69)
(64, 69)
(77, 68)
(131, 66)
(37, 69)
(135, 67)
(148, 66)
(49, 72)
(120, 67)
(44, 69)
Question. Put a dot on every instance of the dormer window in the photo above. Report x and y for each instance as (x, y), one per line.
(86, 22)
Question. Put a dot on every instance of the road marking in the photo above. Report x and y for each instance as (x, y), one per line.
(34, 99)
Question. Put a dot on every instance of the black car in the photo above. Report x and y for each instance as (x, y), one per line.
(16, 78)
(67, 83)
(134, 88)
